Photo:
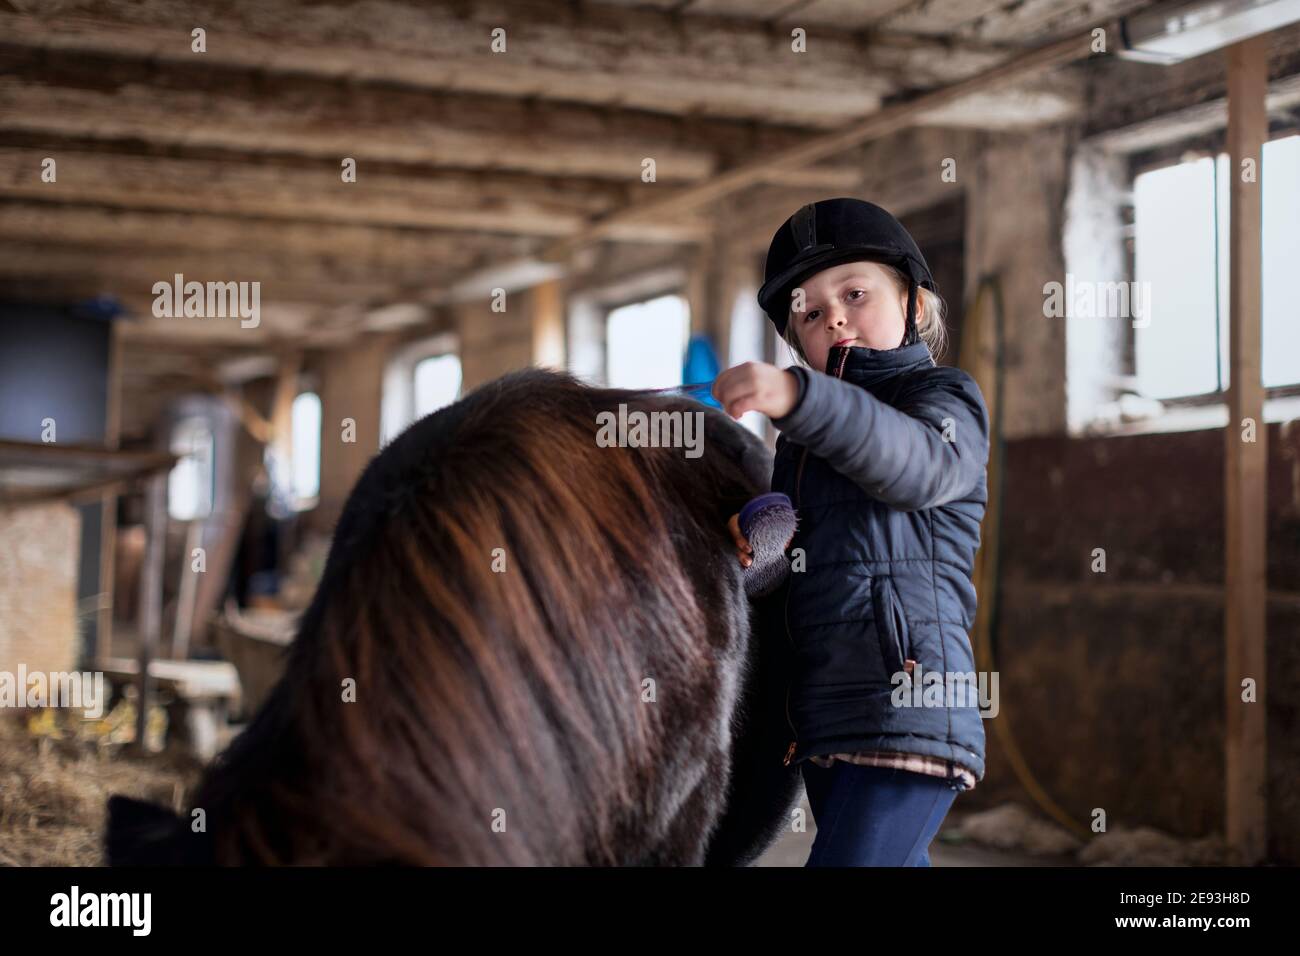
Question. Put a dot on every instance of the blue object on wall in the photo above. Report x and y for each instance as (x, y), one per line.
(102, 308)
(701, 368)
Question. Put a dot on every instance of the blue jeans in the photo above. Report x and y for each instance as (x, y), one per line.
(873, 816)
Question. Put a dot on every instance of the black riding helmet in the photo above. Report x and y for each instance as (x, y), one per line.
(831, 232)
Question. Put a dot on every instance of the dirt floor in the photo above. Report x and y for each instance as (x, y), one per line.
(57, 772)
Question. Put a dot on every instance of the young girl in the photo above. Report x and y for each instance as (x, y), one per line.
(884, 454)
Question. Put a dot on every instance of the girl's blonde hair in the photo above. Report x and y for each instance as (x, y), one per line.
(930, 328)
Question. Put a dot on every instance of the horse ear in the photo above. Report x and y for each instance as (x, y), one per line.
(139, 833)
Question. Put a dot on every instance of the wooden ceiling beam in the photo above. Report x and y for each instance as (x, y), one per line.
(199, 108)
(363, 124)
(450, 200)
(635, 58)
(130, 275)
(367, 248)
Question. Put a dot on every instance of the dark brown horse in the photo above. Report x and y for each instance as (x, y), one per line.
(527, 648)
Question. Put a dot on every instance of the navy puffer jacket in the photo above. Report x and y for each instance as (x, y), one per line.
(885, 457)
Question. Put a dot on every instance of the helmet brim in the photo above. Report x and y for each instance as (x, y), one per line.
(774, 296)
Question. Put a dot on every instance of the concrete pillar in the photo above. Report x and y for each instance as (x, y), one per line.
(351, 389)
(1094, 252)
(494, 342)
(1015, 212)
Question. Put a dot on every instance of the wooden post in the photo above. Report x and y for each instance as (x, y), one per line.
(151, 592)
(547, 307)
(108, 504)
(183, 626)
(1245, 486)
(733, 277)
(700, 281)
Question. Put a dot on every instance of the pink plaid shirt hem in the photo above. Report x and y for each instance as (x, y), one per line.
(917, 763)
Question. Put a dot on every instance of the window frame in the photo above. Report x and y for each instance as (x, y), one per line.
(1208, 145)
(608, 308)
(397, 401)
(586, 319)
(193, 422)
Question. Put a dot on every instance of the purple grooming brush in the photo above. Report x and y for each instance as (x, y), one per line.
(767, 522)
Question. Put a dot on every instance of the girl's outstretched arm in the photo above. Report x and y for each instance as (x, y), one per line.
(930, 450)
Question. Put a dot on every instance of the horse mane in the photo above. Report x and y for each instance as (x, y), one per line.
(500, 715)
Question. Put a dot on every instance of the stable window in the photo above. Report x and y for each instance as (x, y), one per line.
(1180, 257)
(305, 436)
(645, 343)
(191, 481)
(437, 383)
(420, 378)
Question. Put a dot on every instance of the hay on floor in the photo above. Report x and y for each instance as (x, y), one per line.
(57, 772)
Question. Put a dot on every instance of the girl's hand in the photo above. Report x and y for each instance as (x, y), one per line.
(756, 386)
(743, 550)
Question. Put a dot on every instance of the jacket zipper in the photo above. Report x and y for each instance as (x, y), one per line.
(798, 482)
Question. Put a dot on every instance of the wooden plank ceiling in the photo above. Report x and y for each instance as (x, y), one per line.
(225, 165)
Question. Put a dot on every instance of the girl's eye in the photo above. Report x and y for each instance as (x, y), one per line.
(857, 292)
(808, 317)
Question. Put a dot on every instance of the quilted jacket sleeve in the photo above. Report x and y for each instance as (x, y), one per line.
(929, 450)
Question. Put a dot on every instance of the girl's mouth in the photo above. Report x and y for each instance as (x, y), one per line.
(845, 342)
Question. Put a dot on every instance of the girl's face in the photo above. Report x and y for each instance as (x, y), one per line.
(857, 303)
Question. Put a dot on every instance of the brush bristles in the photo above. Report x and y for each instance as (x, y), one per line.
(768, 531)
